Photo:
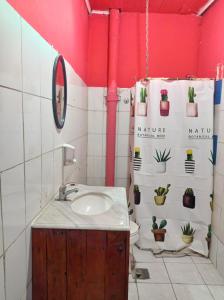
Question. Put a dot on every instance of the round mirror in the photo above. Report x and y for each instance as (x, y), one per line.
(59, 91)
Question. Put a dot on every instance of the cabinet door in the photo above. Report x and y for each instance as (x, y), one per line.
(95, 262)
(76, 265)
(39, 264)
(56, 264)
(117, 256)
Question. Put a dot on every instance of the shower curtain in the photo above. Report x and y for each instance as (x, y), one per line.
(171, 170)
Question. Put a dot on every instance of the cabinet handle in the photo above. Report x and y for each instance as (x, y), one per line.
(120, 248)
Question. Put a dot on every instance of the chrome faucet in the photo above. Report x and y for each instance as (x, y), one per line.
(63, 192)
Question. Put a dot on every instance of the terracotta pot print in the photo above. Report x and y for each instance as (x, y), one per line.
(192, 110)
(159, 234)
(160, 200)
(189, 201)
(187, 239)
(164, 108)
(142, 109)
(137, 197)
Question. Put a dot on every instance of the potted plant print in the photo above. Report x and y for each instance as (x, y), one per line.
(164, 104)
(192, 107)
(161, 159)
(161, 193)
(212, 201)
(189, 162)
(137, 195)
(137, 161)
(145, 81)
(189, 198)
(212, 158)
(142, 105)
(187, 233)
(159, 231)
(209, 236)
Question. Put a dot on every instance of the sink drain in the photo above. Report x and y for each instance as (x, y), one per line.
(140, 273)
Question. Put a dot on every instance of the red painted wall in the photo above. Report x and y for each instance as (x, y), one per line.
(173, 47)
(64, 24)
(211, 51)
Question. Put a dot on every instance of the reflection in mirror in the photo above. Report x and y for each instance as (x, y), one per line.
(59, 86)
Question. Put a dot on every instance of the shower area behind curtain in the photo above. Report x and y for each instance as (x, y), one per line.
(172, 163)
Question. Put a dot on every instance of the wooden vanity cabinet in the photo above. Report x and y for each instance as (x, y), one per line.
(80, 264)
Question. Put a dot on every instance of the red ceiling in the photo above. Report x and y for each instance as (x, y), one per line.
(156, 6)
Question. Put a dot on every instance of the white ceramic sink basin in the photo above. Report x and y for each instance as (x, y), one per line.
(91, 204)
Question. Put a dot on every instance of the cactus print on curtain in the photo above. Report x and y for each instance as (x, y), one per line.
(172, 163)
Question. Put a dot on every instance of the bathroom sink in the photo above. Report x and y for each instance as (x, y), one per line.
(91, 204)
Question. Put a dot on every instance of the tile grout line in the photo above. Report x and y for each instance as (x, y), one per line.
(3, 243)
(204, 280)
(170, 280)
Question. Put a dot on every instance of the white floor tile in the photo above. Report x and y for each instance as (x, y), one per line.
(155, 292)
(157, 272)
(201, 260)
(13, 204)
(182, 259)
(217, 291)
(184, 273)
(131, 279)
(145, 256)
(2, 283)
(132, 291)
(210, 274)
(192, 292)
(15, 269)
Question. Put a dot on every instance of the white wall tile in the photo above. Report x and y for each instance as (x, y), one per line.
(57, 169)
(121, 182)
(96, 100)
(47, 56)
(95, 144)
(96, 122)
(10, 37)
(123, 119)
(15, 262)
(28, 254)
(26, 55)
(96, 181)
(31, 49)
(121, 167)
(47, 178)
(2, 280)
(13, 204)
(122, 147)
(124, 103)
(33, 188)
(11, 128)
(96, 167)
(32, 126)
(48, 128)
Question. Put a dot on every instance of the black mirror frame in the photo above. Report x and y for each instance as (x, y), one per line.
(59, 123)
